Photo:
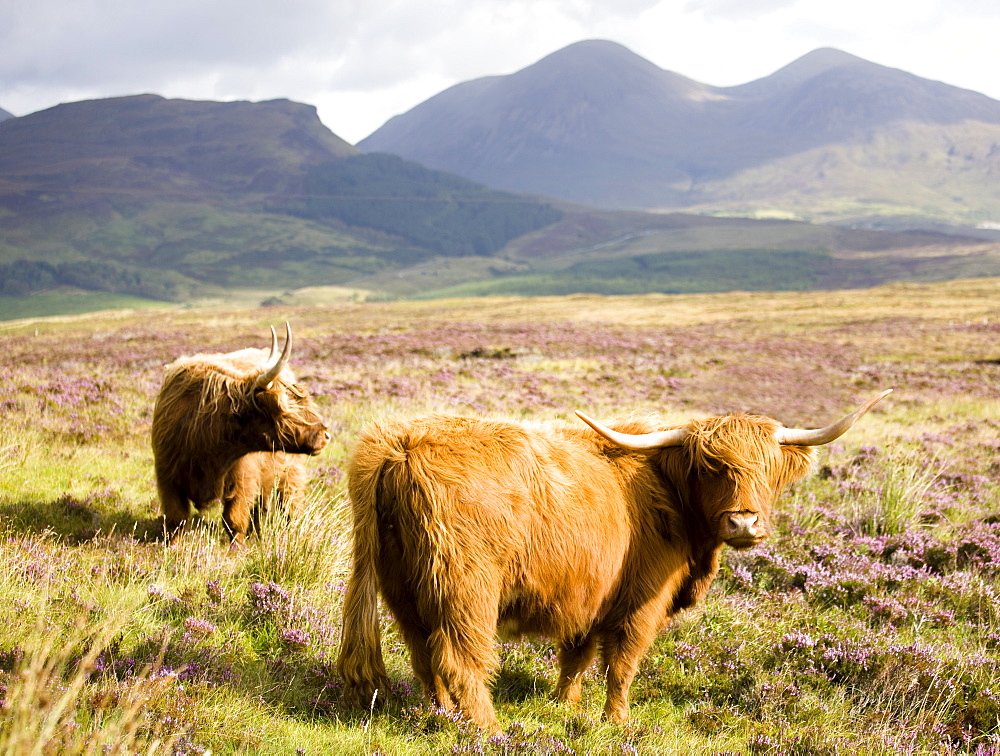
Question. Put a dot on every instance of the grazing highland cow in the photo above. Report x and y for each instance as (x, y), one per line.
(227, 426)
(469, 527)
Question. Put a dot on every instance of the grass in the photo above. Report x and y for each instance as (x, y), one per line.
(719, 270)
(55, 303)
(869, 622)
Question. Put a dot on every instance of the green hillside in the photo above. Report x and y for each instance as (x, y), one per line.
(638, 253)
(945, 172)
(170, 199)
(177, 201)
(429, 209)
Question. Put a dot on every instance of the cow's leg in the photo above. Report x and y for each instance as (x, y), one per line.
(293, 490)
(420, 655)
(236, 518)
(413, 627)
(238, 498)
(622, 649)
(462, 655)
(175, 508)
(575, 655)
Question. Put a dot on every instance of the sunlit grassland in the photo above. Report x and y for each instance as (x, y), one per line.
(869, 622)
(47, 304)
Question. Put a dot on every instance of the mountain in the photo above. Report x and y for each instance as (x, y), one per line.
(173, 199)
(4, 115)
(146, 143)
(161, 197)
(829, 136)
(592, 116)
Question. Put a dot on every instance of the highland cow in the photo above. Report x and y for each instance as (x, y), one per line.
(232, 427)
(471, 527)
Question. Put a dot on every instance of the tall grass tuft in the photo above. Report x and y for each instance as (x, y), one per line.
(306, 548)
(897, 500)
(58, 702)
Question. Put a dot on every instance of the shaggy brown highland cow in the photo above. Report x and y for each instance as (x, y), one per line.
(229, 427)
(468, 527)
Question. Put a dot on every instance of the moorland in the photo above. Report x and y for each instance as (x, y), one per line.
(868, 623)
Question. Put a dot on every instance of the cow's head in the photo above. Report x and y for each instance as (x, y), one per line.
(245, 401)
(731, 468)
(276, 411)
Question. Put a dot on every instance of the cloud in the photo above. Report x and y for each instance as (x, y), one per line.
(95, 41)
(736, 9)
(360, 63)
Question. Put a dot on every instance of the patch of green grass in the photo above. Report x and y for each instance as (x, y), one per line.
(53, 705)
(666, 272)
(305, 547)
(721, 270)
(59, 303)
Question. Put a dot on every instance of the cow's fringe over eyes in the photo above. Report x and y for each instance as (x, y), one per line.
(741, 443)
(742, 447)
(225, 392)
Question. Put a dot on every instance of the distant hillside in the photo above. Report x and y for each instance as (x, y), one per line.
(172, 199)
(830, 136)
(156, 197)
(4, 115)
(618, 252)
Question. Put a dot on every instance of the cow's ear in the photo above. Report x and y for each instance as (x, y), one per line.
(263, 395)
(259, 388)
(795, 462)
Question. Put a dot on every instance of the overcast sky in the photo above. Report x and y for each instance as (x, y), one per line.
(362, 61)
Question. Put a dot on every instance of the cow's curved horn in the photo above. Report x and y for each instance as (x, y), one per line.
(272, 367)
(274, 348)
(655, 440)
(821, 436)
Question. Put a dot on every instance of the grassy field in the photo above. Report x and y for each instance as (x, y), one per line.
(73, 302)
(868, 623)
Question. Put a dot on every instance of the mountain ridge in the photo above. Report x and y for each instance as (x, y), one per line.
(598, 124)
(153, 136)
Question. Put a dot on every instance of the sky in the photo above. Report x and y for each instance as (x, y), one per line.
(360, 62)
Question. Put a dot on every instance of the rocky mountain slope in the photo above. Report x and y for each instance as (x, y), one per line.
(829, 136)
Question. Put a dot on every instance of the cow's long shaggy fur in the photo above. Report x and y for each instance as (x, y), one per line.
(468, 526)
(255, 482)
(209, 416)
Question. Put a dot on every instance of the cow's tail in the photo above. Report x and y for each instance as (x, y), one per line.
(361, 665)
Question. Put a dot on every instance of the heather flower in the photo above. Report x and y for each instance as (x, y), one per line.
(269, 600)
(215, 592)
(196, 626)
(161, 594)
(885, 609)
(742, 576)
(295, 638)
(330, 474)
(797, 641)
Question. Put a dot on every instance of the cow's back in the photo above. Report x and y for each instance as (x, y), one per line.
(529, 518)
